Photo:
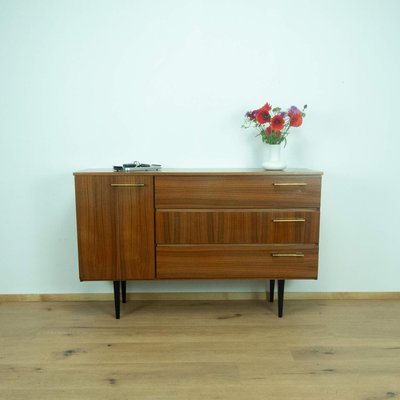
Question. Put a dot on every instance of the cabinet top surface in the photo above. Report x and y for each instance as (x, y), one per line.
(202, 171)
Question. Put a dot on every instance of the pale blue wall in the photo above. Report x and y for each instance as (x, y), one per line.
(95, 83)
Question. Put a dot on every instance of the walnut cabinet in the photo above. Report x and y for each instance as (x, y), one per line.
(198, 224)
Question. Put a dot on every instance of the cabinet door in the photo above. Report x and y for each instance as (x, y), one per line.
(115, 221)
(134, 221)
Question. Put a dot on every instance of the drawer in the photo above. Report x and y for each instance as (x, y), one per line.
(241, 262)
(236, 226)
(237, 191)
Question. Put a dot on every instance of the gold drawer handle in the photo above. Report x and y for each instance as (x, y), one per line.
(290, 184)
(287, 254)
(127, 184)
(289, 220)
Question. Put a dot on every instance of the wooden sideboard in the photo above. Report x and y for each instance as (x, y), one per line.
(198, 224)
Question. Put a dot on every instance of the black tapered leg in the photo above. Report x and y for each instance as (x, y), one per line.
(123, 289)
(271, 290)
(116, 298)
(281, 289)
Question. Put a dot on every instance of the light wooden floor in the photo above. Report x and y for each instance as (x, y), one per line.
(237, 350)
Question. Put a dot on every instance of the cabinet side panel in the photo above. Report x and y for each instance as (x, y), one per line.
(95, 221)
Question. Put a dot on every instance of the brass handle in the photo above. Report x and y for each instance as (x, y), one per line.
(290, 184)
(287, 254)
(128, 184)
(289, 220)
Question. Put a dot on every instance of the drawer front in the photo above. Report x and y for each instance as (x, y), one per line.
(241, 262)
(237, 191)
(236, 227)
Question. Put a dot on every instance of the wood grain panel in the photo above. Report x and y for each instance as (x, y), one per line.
(115, 227)
(134, 208)
(237, 191)
(236, 227)
(95, 224)
(234, 261)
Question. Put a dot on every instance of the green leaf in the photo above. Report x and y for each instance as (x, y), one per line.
(276, 109)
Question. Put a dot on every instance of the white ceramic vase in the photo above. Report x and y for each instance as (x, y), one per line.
(273, 158)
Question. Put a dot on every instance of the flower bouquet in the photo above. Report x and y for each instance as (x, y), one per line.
(274, 124)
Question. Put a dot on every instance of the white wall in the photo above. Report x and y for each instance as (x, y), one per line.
(94, 83)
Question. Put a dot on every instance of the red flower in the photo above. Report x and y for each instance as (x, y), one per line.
(296, 120)
(277, 123)
(262, 116)
(268, 131)
(266, 107)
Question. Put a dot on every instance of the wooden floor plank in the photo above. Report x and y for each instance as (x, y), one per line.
(320, 349)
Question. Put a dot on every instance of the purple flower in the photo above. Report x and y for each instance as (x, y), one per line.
(293, 110)
(283, 114)
(252, 114)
